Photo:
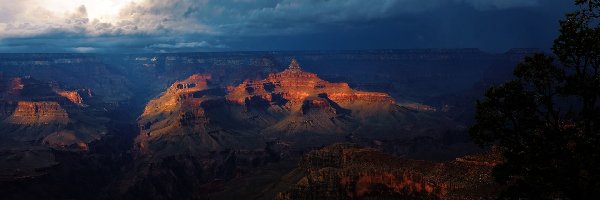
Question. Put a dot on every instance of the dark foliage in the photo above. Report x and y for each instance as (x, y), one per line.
(547, 120)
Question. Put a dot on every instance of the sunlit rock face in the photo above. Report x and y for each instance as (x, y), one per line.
(177, 122)
(37, 113)
(345, 171)
(180, 93)
(34, 109)
(72, 96)
(39, 116)
(165, 115)
(290, 96)
(293, 105)
(199, 129)
(295, 85)
(182, 139)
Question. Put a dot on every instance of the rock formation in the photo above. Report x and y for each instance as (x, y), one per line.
(195, 126)
(294, 85)
(42, 112)
(289, 97)
(345, 171)
(72, 96)
(37, 116)
(292, 105)
(177, 122)
(192, 150)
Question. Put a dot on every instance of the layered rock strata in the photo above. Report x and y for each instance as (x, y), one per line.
(345, 171)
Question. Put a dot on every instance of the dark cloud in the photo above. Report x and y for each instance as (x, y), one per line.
(211, 25)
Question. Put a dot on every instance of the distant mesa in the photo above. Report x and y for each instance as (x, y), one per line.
(294, 85)
(31, 109)
(43, 112)
(210, 130)
(293, 105)
(39, 118)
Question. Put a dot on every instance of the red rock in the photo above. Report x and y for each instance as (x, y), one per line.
(345, 171)
(15, 86)
(72, 96)
(295, 85)
(43, 112)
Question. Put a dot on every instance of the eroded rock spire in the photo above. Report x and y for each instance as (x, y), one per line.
(294, 66)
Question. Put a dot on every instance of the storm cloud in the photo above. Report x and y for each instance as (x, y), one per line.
(231, 25)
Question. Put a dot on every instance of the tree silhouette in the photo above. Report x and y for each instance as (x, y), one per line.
(547, 120)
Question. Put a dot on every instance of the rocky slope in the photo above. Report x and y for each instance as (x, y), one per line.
(345, 171)
(177, 122)
(181, 145)
(195, 129)
(211, 128)
(292, 106)
(300, 107)
(40, 112)
(38, 117)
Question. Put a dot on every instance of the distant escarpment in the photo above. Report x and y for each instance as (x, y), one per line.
(292, 106)
(202, 129)
(41, 112)
(345, 171)
(37, 116)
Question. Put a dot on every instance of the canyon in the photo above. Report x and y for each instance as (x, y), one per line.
(38, 119)
(206, 125)
(292, 106)
(346, 171)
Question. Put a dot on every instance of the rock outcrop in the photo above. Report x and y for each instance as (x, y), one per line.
(287, 98)
(123, 84)
(72, 96)
(345, 171)
(38, 113)
(292, 86)
(15, 86)
(195, 121)
(293, 105)
(177, 122)
(38, 117)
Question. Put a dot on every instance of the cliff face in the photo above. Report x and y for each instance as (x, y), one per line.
(292, 105)
(294, 85)
(72, 96)
(344, 171)
(206, 127)
(38, 116)
(180, 93)
(269, 119)
(44, 112)
(290, 100)
(179, 115)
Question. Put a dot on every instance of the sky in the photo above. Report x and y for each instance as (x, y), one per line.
(152, 26)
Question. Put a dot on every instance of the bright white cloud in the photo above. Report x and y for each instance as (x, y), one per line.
(29, 18)
(103, 10)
